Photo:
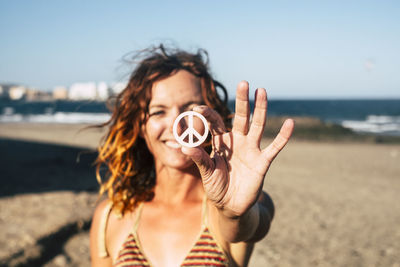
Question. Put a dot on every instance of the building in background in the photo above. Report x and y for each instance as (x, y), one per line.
(117, 88)
(17, 92)
(77, 91)
(102, 91)
(83, 91)
(60, 93)
(4, 91)
(32, 94)
(89, 91)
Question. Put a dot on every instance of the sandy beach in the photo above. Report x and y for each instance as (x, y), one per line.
(337, 203)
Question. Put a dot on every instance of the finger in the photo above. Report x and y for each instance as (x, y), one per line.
(217, 125)
(280, 140)
(259, 116)
(202, 159)
(242, 110)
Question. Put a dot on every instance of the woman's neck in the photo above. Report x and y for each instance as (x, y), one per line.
(175, 186)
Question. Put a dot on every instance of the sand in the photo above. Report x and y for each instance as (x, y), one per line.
(337, 204)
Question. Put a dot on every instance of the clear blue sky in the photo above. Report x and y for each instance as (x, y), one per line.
(295, 49)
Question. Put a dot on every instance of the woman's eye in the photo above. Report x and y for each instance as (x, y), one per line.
(156, 113)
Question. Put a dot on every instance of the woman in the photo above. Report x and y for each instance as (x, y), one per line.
(170, 205)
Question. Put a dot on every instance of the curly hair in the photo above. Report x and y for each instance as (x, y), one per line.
(130, 175)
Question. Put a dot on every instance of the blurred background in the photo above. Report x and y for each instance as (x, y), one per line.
(332, 66)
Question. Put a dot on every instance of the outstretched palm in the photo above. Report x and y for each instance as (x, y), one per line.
(234, 174)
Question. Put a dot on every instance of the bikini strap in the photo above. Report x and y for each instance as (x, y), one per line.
(102, 249)
(204, 212)
(137, 218)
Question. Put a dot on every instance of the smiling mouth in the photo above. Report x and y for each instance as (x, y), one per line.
(172, 144)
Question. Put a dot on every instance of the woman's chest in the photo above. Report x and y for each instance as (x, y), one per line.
(167, 239)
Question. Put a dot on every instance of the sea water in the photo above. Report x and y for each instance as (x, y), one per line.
(381, 117)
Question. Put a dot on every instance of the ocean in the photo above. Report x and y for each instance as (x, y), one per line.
(380, 117)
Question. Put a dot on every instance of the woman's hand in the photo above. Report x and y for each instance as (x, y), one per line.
(233, 176)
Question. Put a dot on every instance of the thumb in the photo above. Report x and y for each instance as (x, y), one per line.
(202, 159)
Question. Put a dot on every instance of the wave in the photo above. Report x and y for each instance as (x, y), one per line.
(375, 124)
(58, 117)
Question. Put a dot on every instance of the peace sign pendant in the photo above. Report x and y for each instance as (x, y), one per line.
(190, 132)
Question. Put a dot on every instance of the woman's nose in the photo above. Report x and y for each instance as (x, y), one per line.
(182, 124)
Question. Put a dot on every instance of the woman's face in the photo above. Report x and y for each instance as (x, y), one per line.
(178, 93)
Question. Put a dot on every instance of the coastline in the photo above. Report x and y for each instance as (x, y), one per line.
(336, 201)
(315, 130)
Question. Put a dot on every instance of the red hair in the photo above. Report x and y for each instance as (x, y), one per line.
(130, 175)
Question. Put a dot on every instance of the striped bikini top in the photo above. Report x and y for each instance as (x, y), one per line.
(205, 252)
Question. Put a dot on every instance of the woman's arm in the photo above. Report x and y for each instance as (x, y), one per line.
(241, 251)
(250, 227)
(267, 212)
(233, 177)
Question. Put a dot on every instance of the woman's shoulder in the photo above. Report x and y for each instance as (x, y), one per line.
(102, 207)
(99, 225)
(98, 250)
(101, 215)
(106, 218)
(108, 230)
